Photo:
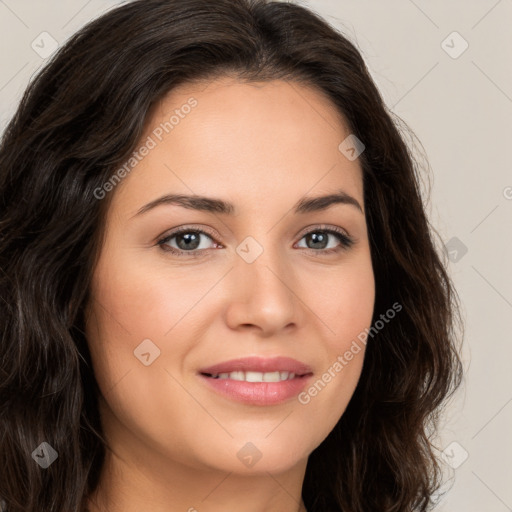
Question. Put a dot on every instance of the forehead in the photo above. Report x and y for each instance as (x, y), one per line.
(254, 141)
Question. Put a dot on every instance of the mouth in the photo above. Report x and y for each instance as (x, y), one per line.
(258, 381)
(254, 367)
(253, 376)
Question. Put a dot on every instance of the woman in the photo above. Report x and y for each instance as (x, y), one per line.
(220, 287)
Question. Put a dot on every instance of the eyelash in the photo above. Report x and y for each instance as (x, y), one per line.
(346, 241)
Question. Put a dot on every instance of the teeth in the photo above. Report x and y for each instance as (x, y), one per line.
(256, 376)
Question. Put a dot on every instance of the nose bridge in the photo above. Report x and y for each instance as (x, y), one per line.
(261, 263)
(263, 279)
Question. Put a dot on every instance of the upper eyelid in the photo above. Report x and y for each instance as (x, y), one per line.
(185, 229)
(324, 227)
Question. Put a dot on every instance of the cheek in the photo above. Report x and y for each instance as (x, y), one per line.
(345, 306)
(147, 300)
(133, 305)
(133, 302)
(343, 301)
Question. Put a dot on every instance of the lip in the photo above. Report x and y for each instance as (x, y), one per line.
(259, 364)
(258, 393)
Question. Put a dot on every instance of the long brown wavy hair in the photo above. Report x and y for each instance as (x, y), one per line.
(78, 120)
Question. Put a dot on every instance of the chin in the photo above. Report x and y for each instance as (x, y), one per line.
(250, 458)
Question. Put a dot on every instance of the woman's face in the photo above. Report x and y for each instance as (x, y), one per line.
(266, 280)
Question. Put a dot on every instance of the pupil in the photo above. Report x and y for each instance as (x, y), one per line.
(318, 239)
(190, 240)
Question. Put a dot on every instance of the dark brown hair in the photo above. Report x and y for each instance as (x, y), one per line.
(78, 120)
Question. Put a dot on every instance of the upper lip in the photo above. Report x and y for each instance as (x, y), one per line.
(259, 364)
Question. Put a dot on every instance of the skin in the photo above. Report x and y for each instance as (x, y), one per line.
(174, 442)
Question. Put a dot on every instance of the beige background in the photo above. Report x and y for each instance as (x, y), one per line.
(461, 110)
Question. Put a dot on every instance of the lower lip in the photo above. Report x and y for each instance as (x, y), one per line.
(258, 393)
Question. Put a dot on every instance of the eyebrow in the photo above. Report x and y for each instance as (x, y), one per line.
(213, 205)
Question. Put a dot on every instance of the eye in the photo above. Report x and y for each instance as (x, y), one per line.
(187, 241)
(319, 239)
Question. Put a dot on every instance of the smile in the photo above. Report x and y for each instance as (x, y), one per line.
(255, 376)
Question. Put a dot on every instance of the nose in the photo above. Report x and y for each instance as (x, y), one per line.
(261, 295)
